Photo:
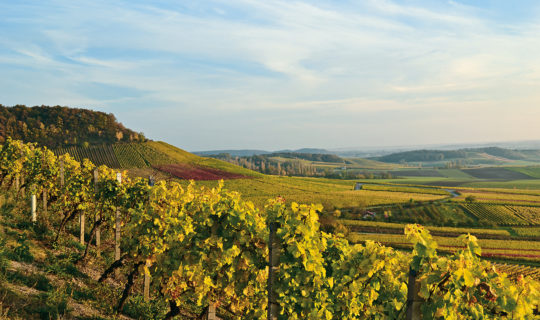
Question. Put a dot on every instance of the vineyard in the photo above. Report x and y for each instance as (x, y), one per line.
(393, 188)
(125, 155)
(530, 214)
(445, 214)
(381, 227)
(514, 271)
(186, 172)
(332, 194)
(501, 215)
(527, 232)
(190, 252)
(507, 249)
(501, 197)
(102, 155)
(128, 156)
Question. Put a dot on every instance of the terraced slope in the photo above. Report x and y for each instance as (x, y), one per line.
(161, 156)
(98, 155)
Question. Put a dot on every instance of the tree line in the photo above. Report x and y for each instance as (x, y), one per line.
(57, 126)
(294, 164)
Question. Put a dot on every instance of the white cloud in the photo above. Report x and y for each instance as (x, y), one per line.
(356, 59)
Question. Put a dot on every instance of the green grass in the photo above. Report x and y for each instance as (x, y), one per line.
(533, 172)
(455, 174)
(513, 184)
(32, 280)
(360, 163)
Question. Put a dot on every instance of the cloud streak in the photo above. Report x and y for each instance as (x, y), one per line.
(171, 69)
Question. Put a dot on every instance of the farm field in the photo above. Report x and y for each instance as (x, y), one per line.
(501, 215)
(394, 188)
(527, 232)
(512, 184)
(406, 199)
(533, 171)
(499, 197)
(156, 155)
(332, 194)
(97, 154)
(505, 249)
(445, 213)
(417, 173)
(496, 173)
(377, 226)
(455, 174)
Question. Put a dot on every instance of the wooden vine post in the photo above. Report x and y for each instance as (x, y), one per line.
(274, 248)
(98, 216)
(45, 195)
(23, 193)
(33, 206)
(117, 230)
(212, 312)
(146, 289)
(414, 301)
(81, 222)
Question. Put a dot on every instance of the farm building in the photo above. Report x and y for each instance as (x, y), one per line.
(358, 186)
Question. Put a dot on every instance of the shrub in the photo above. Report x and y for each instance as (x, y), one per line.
(53, 305)
(33, 280)
(3, 255)
(63, 265)
(22, 251)
(41, 231)
(137, 308)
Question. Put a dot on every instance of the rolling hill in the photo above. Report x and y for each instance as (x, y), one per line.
(156, 155)
(472, 156)
(56, 127)
(98, 136)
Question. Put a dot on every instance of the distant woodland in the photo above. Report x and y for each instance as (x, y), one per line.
(57, 126)
(298, 164)
(459, 155)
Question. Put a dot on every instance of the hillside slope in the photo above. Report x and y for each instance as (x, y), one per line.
(160, 156)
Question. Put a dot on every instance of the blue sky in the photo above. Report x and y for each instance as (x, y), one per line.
(283, 74)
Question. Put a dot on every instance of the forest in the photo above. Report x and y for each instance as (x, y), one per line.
(58, 126)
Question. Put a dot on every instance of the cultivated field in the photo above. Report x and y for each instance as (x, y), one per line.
(500, 214)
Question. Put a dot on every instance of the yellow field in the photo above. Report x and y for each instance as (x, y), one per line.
(510, 249)
(330, 193)
(500, 197)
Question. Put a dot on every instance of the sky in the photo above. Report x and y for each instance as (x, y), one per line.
(246, 74)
